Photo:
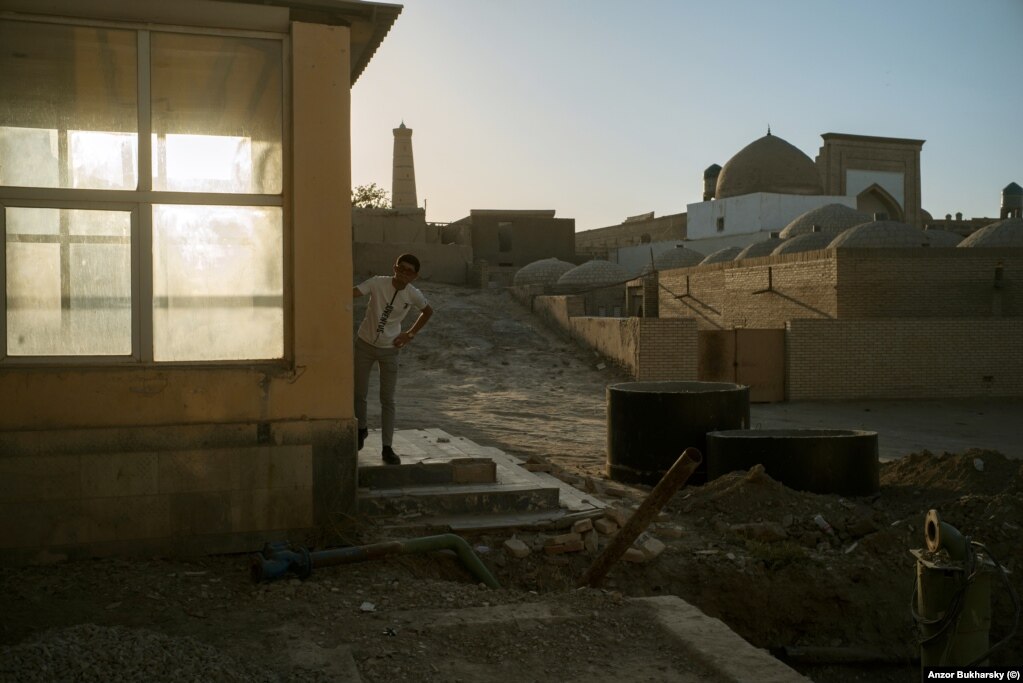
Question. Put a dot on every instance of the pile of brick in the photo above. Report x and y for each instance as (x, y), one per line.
(591, 535)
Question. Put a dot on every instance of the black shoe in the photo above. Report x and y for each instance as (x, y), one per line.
(389, 456)
(363, 433)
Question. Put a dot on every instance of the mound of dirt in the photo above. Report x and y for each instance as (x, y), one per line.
(976, 471)
(822, 577)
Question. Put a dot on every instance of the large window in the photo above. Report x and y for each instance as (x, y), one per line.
(141, 181)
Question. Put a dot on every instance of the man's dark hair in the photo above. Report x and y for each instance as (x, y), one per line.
(410, 259)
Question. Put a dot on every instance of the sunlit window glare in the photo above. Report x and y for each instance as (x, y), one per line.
(103, 160)
(202, 162)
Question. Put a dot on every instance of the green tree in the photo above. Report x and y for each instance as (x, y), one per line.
(370, 196)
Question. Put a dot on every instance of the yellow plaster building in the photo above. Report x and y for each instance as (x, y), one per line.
(176, 372)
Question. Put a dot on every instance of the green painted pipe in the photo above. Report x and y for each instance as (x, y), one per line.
(275, 561)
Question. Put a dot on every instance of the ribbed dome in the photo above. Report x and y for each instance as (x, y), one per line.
(880, 235)
(942, 238)
(808, 241)
(726, 254)
(761, 248)
(679, 257)
(543, 272)
(595, 273)
(1013, 189)
(833, 219)
(1004, 233)
(768, 165)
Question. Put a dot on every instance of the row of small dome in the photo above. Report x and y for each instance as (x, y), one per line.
(831, 226)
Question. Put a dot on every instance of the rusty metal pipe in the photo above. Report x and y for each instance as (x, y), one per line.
(276, 560)
(671, 482)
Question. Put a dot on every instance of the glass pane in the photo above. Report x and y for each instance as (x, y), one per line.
(68, 282)
(217, 122)
(217, 283)
(28, 156)
(68, 113)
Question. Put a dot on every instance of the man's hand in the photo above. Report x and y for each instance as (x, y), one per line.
(402, 339)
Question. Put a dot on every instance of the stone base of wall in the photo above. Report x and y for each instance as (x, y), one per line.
(172, 491)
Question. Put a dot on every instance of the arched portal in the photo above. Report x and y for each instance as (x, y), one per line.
(875, 199)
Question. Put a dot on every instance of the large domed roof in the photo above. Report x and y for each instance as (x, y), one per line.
(832, 218)
(879, 235)
(761, 248)
(808, 241)
(543, 272)
(679, 257)
(726, 254)
(769, 164)
(1004, 233)
(595, 273)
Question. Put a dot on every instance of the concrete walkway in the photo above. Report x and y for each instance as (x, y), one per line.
(908, 426)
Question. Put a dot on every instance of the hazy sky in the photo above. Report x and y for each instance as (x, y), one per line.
(603, 110)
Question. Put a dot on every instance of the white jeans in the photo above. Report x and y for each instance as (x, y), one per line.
(365, 356)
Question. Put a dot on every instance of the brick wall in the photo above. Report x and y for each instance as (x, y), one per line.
(761, 292)
(599, 242)
(767, 292)
(441, 262)
(904, 358)
(860, 323)
(649, 348)
(696, 293)
(924, 283)
(667, 349)
(558, 310)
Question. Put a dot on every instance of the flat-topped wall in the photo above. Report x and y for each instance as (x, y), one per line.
(767, 292)
(904, 358)
(649, 348)
(600, 242)
(393, 226)
(931, 282)
(440, 262)
(727, 295)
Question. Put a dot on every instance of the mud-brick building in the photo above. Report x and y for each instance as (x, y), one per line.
(504, 240)
(174, 375)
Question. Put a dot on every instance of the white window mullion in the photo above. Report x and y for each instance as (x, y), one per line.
(142, 259)
(142, 287)
(145, 119)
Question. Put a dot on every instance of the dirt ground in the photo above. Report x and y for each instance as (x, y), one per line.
(742, 548)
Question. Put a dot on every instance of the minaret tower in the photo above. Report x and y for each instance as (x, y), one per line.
(403, 177)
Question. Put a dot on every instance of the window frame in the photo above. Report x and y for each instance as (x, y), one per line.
(141, 200)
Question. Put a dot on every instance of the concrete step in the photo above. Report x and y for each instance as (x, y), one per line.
(541, 520)
(454, 499)
(455, 471)
(488, 489)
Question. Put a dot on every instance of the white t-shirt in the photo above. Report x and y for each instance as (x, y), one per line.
(387, 308)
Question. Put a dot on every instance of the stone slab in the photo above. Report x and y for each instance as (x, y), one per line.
(430, 448)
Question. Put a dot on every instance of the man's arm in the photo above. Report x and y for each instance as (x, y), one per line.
(406, 336)
(356, 293)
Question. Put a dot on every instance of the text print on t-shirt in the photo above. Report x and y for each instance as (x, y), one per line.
(385, 315)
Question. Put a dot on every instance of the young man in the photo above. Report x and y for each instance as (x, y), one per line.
(380, 340)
